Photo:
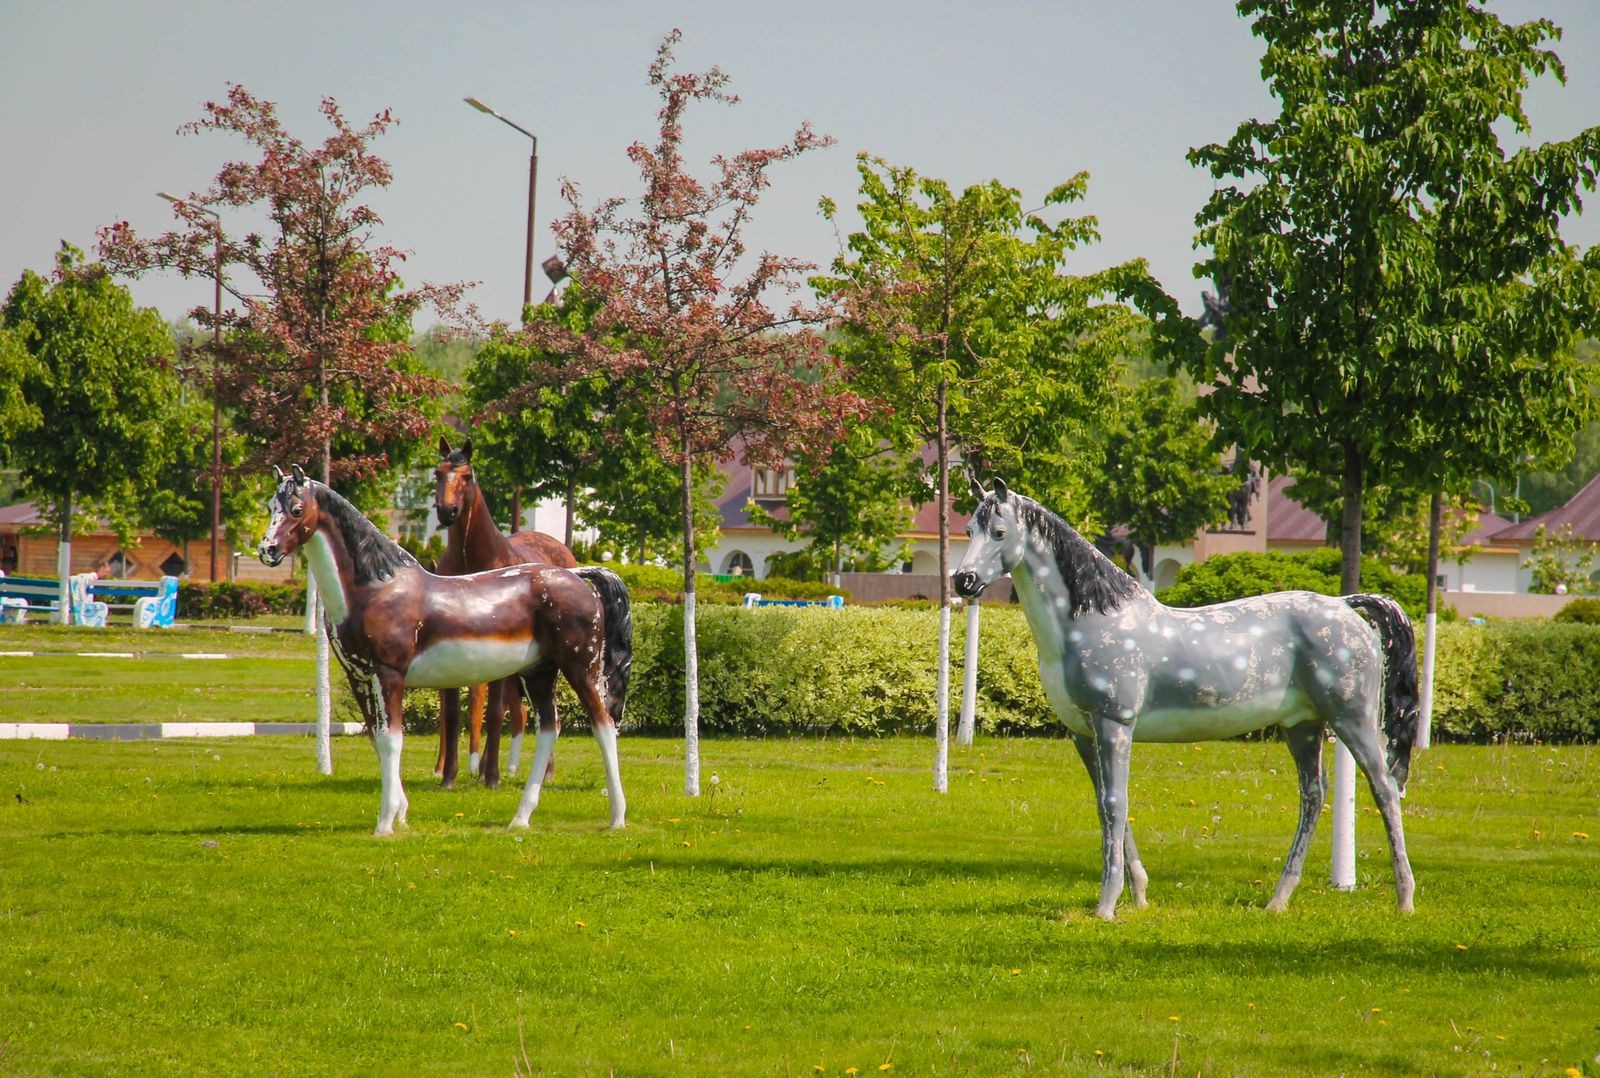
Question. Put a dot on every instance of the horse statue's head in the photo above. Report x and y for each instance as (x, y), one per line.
(996, 540)
(453, 481)
(294, 516)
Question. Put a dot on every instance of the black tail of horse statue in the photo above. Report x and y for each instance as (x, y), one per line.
(618, 606)
(1400, 701)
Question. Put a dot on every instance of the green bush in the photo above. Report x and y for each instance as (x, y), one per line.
(870, 671)
(224, 599)
(1235, 576)
(1581, 612)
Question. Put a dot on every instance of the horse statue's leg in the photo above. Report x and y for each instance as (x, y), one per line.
(1136, 873)
(518, 714)
(388, 737)
(1361, 738)
(449, 737)
(605, 735)
(477, 700)
(540, 683)
(1113, 746)
(493, 716)
(1305, 745)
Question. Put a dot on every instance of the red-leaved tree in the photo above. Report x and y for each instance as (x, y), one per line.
(317, 362)
(686, 322)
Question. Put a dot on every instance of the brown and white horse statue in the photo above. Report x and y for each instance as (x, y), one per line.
(473, 543)
(394, 625)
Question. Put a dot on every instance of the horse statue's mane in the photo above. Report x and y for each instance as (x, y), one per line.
(374, 556)
(1094, 581)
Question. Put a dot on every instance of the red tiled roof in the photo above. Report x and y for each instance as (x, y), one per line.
(22, 513)
(733, 504)
(1287, 520)
(1582, 511)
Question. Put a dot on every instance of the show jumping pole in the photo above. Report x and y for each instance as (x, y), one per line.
(941, 762)
(969, 678)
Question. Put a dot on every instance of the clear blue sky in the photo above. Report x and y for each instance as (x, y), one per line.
(92, 93)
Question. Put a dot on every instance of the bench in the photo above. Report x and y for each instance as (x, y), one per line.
(151, 603)
(832, 602)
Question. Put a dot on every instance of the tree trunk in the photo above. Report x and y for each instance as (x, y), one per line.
(572, 487)
(941, 765)
(691, 658)
(63, 615)
(1350, 523)
(1431, 625)
(1343, 865)
(516, 508)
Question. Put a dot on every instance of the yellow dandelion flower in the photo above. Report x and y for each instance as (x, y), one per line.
(512, 931)
(1573, 1072)
(1172, 1018)
(852, 1070)
(460, 814)
(1580, 835)
(1383, 1021)
(1499, 1036)
(1098, 1052)
(1376, 1010)
(886, 1066)
(1461, 946)
(580, 924)
(686, 844)
(1016, 971)
(461, 1025)
(818, 1067)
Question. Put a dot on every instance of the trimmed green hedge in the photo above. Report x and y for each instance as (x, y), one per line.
(198, 600)
(870, 671)
(1234, 576)
(654, 583)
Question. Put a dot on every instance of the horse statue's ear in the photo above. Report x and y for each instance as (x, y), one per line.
(1000, 489)
(978, 493)
(466, 449)
(299, 473)
(444, 446)
(282, 475)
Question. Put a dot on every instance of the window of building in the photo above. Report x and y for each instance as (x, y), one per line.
(174, 565)
(117, 566)
(738, 563)
(772, 482)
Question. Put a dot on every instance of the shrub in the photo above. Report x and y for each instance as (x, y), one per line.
(655, 583)
(1235, 576)
(225, 599)
(1581, 612)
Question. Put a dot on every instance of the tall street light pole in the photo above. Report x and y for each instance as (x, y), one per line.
(216, 367)
(527, 270)
(533, 180)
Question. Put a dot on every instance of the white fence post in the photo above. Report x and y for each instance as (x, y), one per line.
(1344, 818)
(314, 624)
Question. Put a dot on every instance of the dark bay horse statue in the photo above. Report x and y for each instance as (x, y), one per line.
(394, 625)
(1119, 667)
(473, 543)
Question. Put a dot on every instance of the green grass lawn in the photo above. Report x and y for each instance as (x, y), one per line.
(218, 907)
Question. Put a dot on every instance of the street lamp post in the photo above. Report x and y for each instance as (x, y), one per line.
(527, 269)
(533, 180)
(216, 367)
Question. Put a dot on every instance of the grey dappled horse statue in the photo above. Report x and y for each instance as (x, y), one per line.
(1119, 667)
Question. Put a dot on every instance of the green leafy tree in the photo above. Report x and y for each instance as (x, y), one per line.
(1161, 478)
(850, 502)
(178, 505)
(1401, 307)
(103, 387)
(17, 365)
(956, 310)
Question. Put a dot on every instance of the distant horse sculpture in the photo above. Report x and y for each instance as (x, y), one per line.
(394, 625)
(1119, 667)
(474, 543)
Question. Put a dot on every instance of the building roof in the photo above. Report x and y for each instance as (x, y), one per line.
(23, 514)
(1582, 511)
(1287, 520)
(734, 504)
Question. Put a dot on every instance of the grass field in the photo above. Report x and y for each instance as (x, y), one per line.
(216, 906)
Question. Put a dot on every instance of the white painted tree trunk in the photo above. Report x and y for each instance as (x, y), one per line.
(1425, 706)
(315, 623)
(1344, 819)
(941, 732)
(691, 702)
(969, 678)
(63, 614)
